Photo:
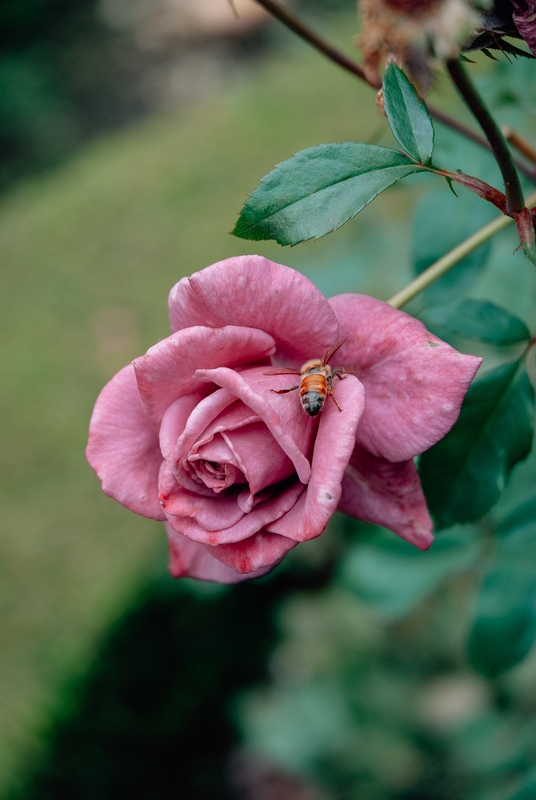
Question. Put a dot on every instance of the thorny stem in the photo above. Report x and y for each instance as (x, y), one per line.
(306, 33)
(452, 258)
(512, 186)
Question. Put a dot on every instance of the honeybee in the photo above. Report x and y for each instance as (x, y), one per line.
(316, 381)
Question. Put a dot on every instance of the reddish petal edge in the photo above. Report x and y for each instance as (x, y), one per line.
(388, 494)
(166, 371)
(258, 293)
(189, 559)
(261, 550)
(414, 382)
(123, 448)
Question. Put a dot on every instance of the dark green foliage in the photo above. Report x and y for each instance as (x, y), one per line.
(394, 576)
(505, 624)
(464, 474)
(476, 319)
(528, 792)
(442, 222)
(318, 190)
(153, 719)
(407, 115)
(58, 81)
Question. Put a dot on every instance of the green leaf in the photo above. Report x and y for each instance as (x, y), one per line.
(395, 577)
(464, 474)
(407, 115)
(318, 190)
(477, 319)
(505, 624)
(442, 221)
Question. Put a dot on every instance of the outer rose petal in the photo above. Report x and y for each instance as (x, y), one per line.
(253, 291)
(189, 559)
(166, 371)
(123, 448)
(261, 550)
(379, 491)
(414, 382)
(334, 444)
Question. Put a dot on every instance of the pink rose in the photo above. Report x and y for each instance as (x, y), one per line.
(191, 433)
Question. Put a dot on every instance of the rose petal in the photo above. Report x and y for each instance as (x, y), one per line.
(209, 513)
(259, 456)
(166, 371)
(384, 493)
(236, 415)
(253, 291)
(286, 421)
(216, 465)
(261, 550)
(191, 560)
(334, 445)
(177, 468)
(414, 382)
(218, 520)
(123, 448)
(174, 422)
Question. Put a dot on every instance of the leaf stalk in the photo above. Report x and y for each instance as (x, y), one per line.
(450, 259)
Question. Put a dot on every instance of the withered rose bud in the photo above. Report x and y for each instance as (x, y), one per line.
(413, 32)
(525, 21)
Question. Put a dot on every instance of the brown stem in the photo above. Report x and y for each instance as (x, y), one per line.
(304, 32)
(520, 143)
(295, 24)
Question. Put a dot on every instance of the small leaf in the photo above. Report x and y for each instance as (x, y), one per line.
(407, 115)
(318, 190)
(477, 319)
(464, 474)
(395, 577)
(505, 624)
(441, 223)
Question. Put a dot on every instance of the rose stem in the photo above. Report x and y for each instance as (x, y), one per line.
(452, 258)
(306, 33)
(515, 201)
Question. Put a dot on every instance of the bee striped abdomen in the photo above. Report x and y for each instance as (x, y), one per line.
(313, 392)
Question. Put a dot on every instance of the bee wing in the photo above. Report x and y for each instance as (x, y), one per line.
(283, 371)
(332, 350)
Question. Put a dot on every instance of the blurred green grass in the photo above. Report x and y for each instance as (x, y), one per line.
(89, 254)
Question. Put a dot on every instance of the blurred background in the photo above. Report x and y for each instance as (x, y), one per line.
(131, 131)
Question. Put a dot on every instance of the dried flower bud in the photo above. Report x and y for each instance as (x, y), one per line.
(525, 21)
(413, 31)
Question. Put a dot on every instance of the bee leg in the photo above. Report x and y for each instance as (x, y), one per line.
(284, 391)
(330, 392)
(341, 373)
